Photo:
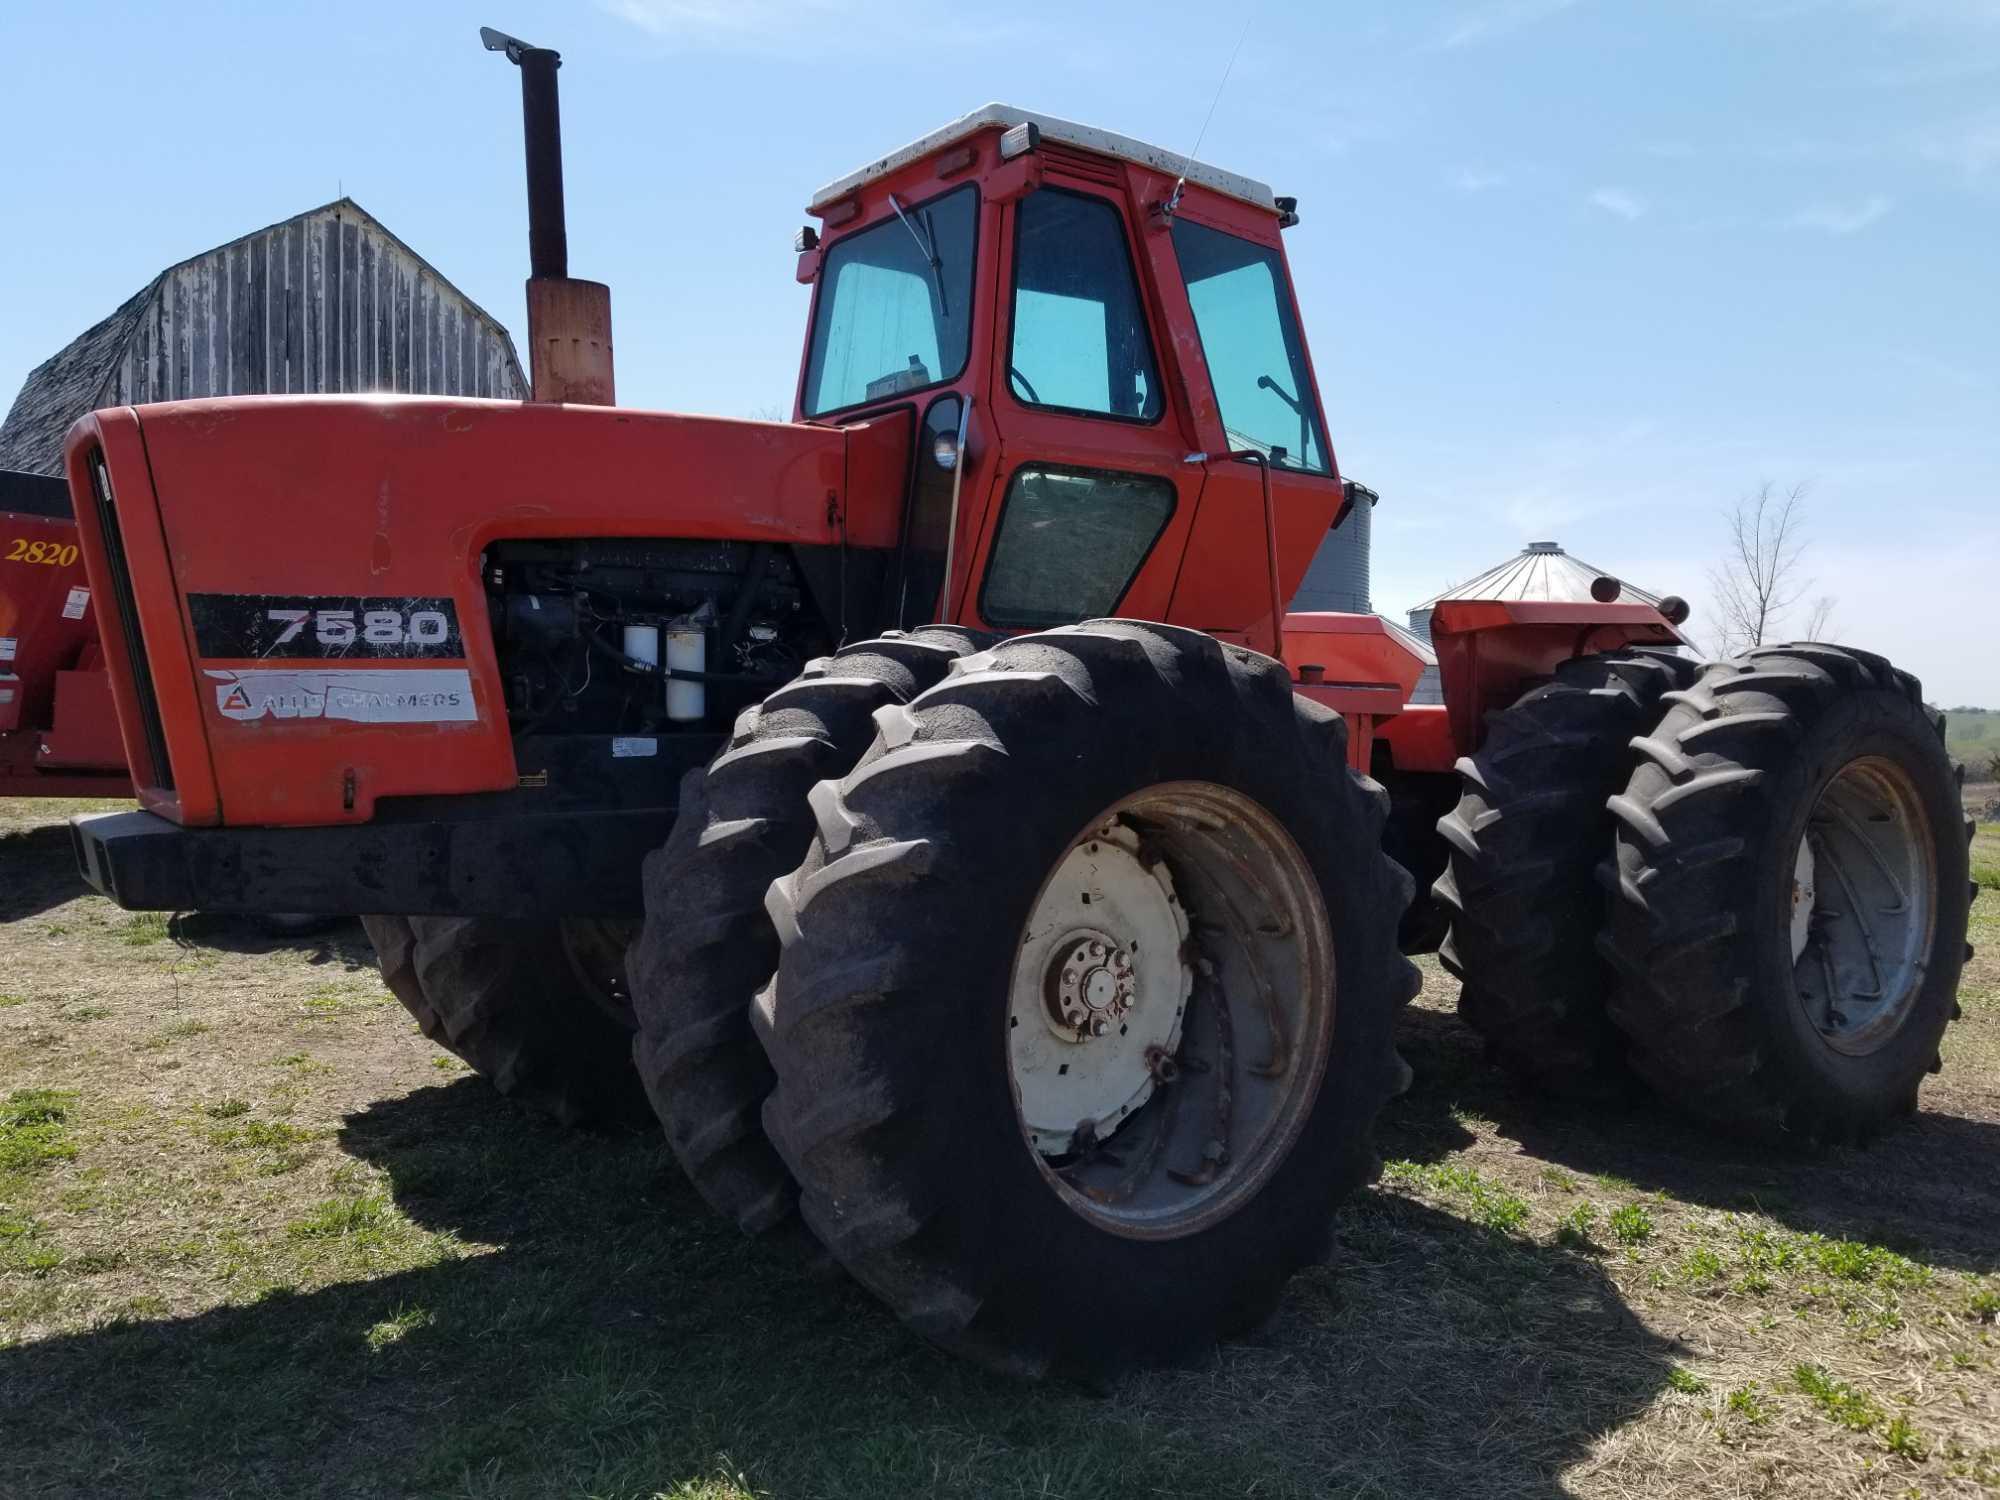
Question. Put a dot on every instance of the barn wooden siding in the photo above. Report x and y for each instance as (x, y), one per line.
(329, 301)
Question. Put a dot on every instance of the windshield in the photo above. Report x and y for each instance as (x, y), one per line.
(1250, 338)
(895, 303)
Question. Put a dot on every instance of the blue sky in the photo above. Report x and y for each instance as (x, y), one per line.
(1572, 269)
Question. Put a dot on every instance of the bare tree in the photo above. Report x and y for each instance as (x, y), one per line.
(1758, 580)
(1819, 624)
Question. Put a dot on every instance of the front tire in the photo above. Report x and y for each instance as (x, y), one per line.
(527, 1005)
(708, 947)
(1126, 772)
(1789, 895)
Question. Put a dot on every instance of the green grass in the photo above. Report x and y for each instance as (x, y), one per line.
(1489, 1202)
(1839, 1401)
(365, 1218)
(1632, 1224)
(1573, 1229)
(1747, 1404)
(142, 929)
(34, 1130)
(1986, 857)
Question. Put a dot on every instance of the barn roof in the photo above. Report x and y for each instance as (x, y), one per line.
(64, 386)
(1539, 571)
(79, 377)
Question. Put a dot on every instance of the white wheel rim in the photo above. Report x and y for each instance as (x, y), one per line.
(1805, 898)
(1098, 992)
(1206, 953)
(1870, 906)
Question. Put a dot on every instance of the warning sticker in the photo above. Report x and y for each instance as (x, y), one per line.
(77, 602)
(6, 648)
(625, 747)
(399, 695)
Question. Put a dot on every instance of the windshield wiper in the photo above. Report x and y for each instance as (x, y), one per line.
(927, 243)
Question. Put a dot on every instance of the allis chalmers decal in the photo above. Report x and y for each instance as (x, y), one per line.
(371, 695)
(254, 627)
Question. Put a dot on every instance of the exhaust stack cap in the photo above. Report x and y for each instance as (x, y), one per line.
(499, 41)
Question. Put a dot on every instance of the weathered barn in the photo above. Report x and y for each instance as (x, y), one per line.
(327, 301)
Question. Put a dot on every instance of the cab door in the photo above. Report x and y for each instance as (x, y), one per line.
(1253, 382)
(1090, 491)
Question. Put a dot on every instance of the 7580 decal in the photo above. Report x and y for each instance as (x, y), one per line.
(377, 627)
(255, 627)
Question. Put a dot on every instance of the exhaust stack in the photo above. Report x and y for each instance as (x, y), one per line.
(569, 321)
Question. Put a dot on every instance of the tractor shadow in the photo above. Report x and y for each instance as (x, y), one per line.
(327, 940)
(37, 871)
(1925, 1189)
(597, 1330)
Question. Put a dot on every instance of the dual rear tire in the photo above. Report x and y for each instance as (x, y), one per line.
(1746, 886)
(1045, 1130)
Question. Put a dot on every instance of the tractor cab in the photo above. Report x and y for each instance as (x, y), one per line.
(1096, 346)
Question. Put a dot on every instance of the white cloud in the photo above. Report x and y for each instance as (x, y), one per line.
(1841, 218)
(789, 26)
(1478, 179)
(1973, 146)
(1497, 18)
(1626, 205)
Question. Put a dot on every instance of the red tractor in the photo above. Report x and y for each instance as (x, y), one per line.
(926, 807)
(58, 734)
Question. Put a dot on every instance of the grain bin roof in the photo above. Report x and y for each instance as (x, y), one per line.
(1539, 571)
(327, 300)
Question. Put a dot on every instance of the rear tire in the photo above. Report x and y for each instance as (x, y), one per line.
(901, 1104)
(1520, 887)
(509, 999)
(1789, 895)
(708, 946)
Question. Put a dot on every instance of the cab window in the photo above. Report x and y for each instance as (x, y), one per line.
(1069, 543)
(895, 306)
(1250, 339)
(1079, 330)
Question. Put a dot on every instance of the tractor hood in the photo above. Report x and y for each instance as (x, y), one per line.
(211, 508)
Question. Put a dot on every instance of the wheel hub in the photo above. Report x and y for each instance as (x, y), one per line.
(1091, 985)
(1099, 991)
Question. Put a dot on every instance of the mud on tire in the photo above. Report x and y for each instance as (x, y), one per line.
(708, 946)
(508, 998)
(1520, 887)
(888, 1020)
(1804, 780)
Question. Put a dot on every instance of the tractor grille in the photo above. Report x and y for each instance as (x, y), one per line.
(127, 610)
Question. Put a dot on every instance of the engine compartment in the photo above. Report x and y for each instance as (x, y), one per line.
(645, 635)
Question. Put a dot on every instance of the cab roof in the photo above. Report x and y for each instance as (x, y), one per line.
(1083, 137)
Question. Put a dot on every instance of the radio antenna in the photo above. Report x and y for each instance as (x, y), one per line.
(1174, 198)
